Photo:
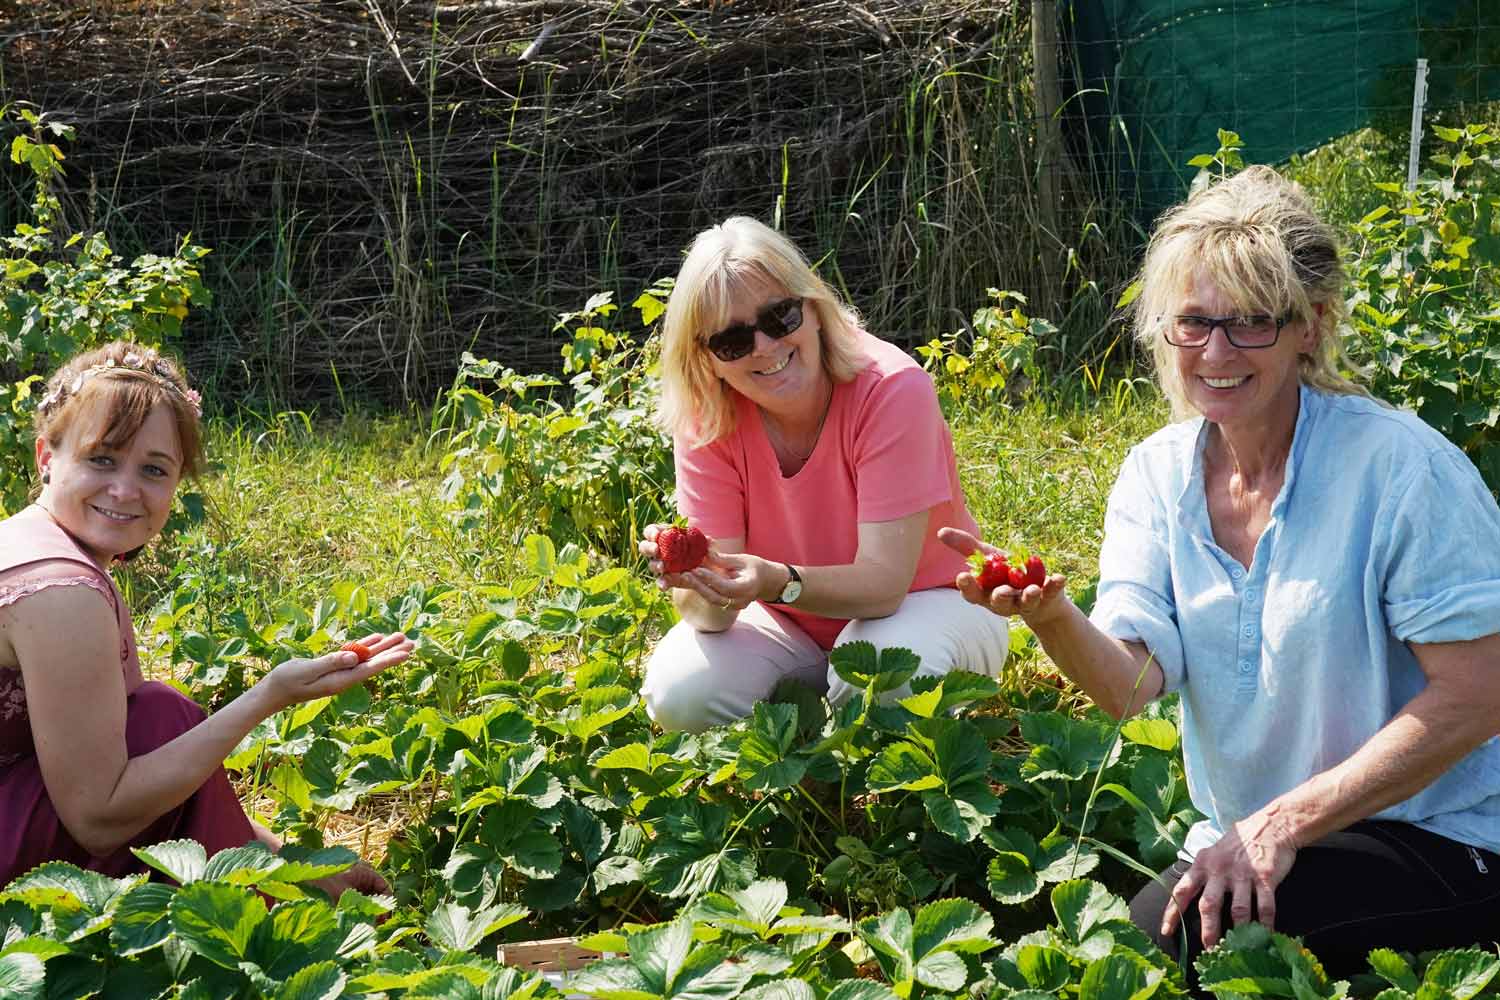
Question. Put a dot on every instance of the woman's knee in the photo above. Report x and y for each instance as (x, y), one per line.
(678, 684)
(156, 714)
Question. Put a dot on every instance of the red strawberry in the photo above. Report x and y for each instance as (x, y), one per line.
(359, 649)
(990, 572)
(1018, 578)
(1036, 572)
(681, 548)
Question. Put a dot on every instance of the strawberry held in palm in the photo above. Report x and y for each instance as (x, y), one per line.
(681, 548)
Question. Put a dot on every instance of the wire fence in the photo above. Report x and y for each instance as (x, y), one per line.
(387, 183)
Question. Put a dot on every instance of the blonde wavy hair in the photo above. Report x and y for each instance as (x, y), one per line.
(724, 259)
(1257, 238)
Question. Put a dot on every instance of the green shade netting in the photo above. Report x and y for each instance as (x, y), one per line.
(1160, 77)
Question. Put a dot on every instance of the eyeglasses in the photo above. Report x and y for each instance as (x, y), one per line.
(1244, 332)
(775, 320)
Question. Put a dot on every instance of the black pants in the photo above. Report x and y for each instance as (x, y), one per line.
(1375, 885)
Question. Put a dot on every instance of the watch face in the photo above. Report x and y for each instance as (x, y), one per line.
(791, 591)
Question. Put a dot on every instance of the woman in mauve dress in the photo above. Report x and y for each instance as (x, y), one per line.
(94, 759)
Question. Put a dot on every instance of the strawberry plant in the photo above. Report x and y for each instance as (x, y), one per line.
(585, 463)
(991, 360)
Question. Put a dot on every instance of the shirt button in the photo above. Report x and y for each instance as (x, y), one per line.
(1237, 573)
(1244, 666)
(1252, 595)
(1248, 631)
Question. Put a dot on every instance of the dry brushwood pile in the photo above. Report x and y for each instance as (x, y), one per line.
(386, 184)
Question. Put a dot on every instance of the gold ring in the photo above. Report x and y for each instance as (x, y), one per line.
(725, 605)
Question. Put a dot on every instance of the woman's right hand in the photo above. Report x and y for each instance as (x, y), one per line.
(1036, 605)
(296, 681)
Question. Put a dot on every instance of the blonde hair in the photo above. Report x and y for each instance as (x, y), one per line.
(108, 393)
(1257, 238)
(723, 260)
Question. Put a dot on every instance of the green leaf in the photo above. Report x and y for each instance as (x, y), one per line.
(861, 989)
(1462, 973)
(1044, 967)
(217, 921)
(765, 761)
(306, 864)
(924, 705)
(1393, 969)
(73, 977)
(298, 934)
(1120, 975)
(903, 765)
(182, 861)
(247, 865)
(141, 921)
(458, 928)
(1158, 733)
(1082, 906)
(942, 971)
(541, 556)
(890, 937)
(322, 981)
(781, 989)
(650, 306)
(1011, 879)
(21, 977)
(952, 925)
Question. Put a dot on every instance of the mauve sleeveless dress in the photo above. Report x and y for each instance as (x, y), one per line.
(36, 554)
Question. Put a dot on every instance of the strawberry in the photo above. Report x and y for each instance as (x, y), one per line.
(359, 649)
(1036, 572)
(1018, 577)
(990, 572)
(681, 548)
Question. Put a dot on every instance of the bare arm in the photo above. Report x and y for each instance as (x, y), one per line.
(67, 642)
(1121, 677)
(1457, 711)
(872, 586)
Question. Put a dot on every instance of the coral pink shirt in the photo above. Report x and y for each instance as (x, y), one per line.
(885, 453)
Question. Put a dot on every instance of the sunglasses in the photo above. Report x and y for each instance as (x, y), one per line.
(775, 321)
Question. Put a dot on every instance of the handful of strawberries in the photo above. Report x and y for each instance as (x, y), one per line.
(996, 571)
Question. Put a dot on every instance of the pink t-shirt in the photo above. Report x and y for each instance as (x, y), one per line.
(885, 453)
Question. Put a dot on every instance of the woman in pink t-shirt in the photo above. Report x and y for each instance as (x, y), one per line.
(815, 457)
(94, 759)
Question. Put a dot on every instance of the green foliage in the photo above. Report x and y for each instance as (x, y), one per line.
(992, 360)
(589, 459)
(60, 293)
(1423, 304)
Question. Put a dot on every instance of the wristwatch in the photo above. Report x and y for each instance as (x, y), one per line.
(793, 588)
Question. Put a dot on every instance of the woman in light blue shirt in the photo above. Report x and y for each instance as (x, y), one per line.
(1318, 575)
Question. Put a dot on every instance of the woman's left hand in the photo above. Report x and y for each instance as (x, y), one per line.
(361, 877)
(728, 581)
(1246, 865)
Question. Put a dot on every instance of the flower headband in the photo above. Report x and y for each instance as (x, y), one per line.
(147, 365)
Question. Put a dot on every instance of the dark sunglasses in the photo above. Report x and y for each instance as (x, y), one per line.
(775, 321)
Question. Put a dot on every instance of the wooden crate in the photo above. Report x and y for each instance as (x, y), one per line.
(552, 955)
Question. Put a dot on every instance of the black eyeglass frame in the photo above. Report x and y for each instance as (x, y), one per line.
(774, 320)
(1224, 323)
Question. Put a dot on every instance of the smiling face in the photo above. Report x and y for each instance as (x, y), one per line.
(785, 377)
(1233, 387)
(112, 498)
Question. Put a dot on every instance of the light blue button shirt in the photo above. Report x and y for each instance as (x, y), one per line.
(1383, 534)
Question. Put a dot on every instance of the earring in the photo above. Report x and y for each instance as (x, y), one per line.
(46, 478)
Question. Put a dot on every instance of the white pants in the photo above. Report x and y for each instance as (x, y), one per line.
(695, 679)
